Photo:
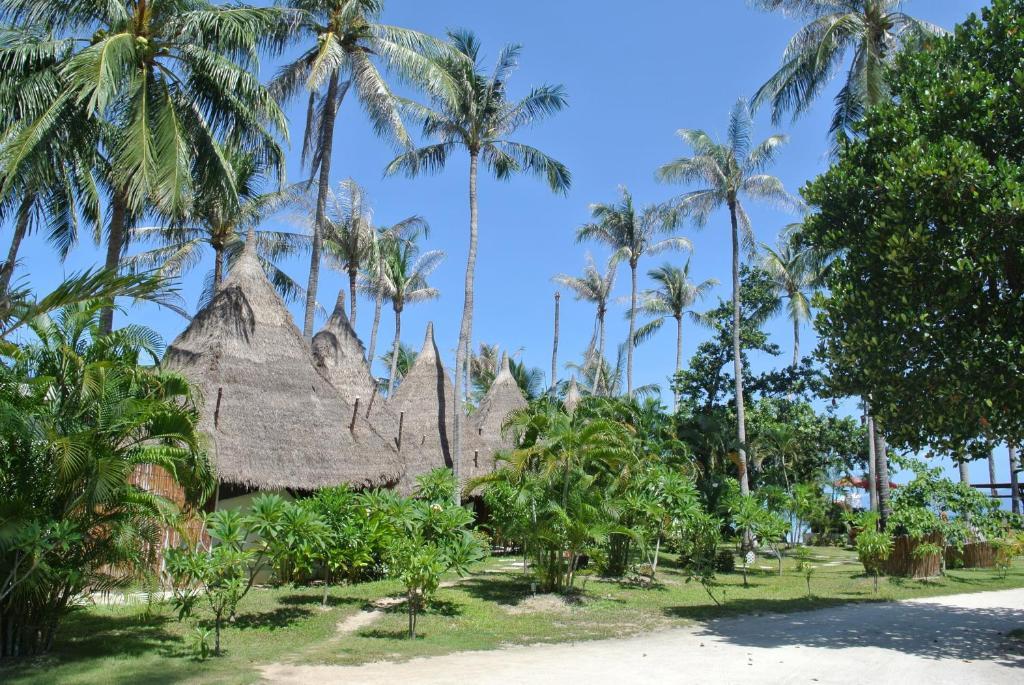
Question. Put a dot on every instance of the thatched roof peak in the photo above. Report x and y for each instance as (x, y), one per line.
(504, 372)
(340, 357)
(429, 350)
(572, 397)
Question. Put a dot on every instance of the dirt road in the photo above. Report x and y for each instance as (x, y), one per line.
(959, 640)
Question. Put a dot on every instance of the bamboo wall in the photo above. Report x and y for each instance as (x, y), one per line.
(902, 561)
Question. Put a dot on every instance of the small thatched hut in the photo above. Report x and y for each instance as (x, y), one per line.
(272, 421)
(341, 359)
(425, 406)
(502, 398)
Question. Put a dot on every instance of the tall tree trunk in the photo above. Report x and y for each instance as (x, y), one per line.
(1014, 485)
(352, 273)
(20, 230)
(599, 370)
(116, 232)
(323, 189)
(796, 343)
(378, 304)
(554, 346)
(872, 461)
(679, 362)
(965, 475)
(741, 428)
(218, 266)
(394, 352)
(992, 473)
(882, 470)
(466, 329)
(632, 328)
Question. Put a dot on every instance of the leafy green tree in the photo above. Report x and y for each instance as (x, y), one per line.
(596, 288)
(729, 172)
(167, 81)
(79, 416)
(674, 296)
(631, 233)
(477, 116)
(871, 32)
(922, 212)
(344, 44)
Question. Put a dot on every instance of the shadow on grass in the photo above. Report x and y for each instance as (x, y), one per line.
(379, 634)
(332, 600)
(282, 617)
(502, 590)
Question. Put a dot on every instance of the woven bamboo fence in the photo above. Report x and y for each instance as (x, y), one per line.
(902, 562)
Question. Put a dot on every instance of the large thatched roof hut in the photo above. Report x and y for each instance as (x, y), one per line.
(425, 406)
(272, 421)
(502, 398)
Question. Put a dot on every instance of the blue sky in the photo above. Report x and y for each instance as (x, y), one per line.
(634, 73)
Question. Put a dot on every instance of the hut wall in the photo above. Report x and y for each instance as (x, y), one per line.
(902, 561)
(973, 555)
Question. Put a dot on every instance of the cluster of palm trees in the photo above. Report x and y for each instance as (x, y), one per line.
(145, 121)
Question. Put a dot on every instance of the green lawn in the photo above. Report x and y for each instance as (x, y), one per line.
(492, 608)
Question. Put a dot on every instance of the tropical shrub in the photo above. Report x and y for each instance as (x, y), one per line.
(873, 546)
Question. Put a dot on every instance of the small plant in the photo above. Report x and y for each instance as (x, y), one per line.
(199, 642)
(923, 550)
(699, 535)
(725, 560)
(804, 566)
(873, 548)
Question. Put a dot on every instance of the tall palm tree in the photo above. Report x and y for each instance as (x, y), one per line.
(478, 117)
(631, 233)
(220, 220)
(406, 358)
(344, 42)
(370, 281)
(596, 288)
(167, 80)
(348, 234)
(871, 32)
(674, 296)
(730, 171)
(403, 278)
(795, 273)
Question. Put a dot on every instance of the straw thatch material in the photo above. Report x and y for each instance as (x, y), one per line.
(425, 405)
(341, 359)
(272, 421)
(502, 398)
(572, 397)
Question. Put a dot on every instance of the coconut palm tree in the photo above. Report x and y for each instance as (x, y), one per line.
(478, 117)
(674, 296)
(403, 279)
(348, 234)
(871, 32)
(796, 273)
(594, 287)
(370, 282)
(167, 81)
(220, 220)
(631, 234)
(344, 47)
(730, 171)
(406, 358)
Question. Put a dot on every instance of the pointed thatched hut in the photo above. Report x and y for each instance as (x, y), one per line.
(341, 359)
(272, 421)
(502, 398)
(572, 397)
(424, 404)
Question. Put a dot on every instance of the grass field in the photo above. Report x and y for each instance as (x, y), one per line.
(491, 608)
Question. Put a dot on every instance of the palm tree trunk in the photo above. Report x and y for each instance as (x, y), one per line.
(1014, 486)
(992, 473)
(599, 371)
(394, 353)
(20, 230)
(378, 304)
(632, 329)
(796, 343)
(554, 346)
(466, 329)
(965, 475)
(324, 187)
(679, 362)
(741, 428)
(882, 470)
(218, 266)
(872, 463)
(353, 271)
(115, 246)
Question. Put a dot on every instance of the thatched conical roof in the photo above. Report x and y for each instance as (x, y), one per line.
(272, 421)
(502, 398)
(341, 359)
(425, 406)
(572, 397)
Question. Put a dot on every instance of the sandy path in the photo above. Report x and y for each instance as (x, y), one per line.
(958, 639)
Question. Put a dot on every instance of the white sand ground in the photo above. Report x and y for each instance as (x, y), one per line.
(959, 639)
